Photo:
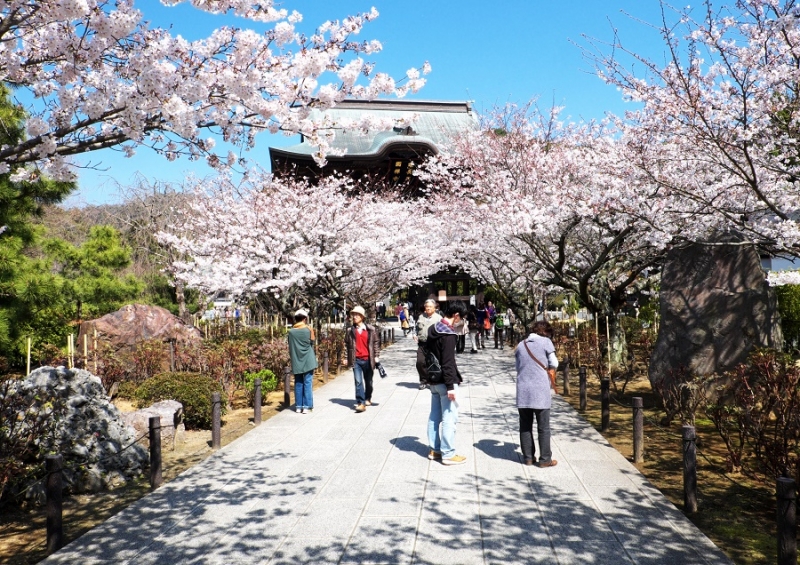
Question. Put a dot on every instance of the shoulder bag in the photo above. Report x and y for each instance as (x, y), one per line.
(551, 373)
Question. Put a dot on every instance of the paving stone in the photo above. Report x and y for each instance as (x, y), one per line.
(340, 487)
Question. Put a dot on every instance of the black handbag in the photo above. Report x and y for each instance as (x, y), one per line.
(381, 370)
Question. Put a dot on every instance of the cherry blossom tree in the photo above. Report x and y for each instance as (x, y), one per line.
(101, 77)
(717, 126)
(556, 205)
(296, 243)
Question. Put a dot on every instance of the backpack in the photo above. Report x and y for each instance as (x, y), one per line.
(499, 323)
(433, 368)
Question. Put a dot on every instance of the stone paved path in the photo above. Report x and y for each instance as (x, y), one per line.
(335, 486)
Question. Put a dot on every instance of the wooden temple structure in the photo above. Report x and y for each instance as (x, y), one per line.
(388, 159)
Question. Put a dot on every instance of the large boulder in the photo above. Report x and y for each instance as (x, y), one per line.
(100, 450)
(170, 415)
(716, 306)
(123, 329)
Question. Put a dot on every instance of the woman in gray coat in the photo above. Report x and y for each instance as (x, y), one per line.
(534, 356)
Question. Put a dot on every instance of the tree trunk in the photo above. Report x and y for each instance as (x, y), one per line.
(181, 298)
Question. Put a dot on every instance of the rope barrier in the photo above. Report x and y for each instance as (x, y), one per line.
(74, 465)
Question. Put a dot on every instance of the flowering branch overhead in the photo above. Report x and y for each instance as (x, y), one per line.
(101, 77)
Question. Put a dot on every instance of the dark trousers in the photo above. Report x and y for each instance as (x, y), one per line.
(421, 370)
(526, 416)
(498, 337)
(461, 341)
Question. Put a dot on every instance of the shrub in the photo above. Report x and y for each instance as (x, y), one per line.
(27, 425)
(227, 360)
(758, 413)
(148, 359)
(193, 390)
(789, 308)
(332, 342)
(269, 383)
(112, 367)
(272, 355)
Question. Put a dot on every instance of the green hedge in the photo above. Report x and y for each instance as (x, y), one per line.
(193, 390)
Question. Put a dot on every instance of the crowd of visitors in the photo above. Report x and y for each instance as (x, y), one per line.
(440, 337)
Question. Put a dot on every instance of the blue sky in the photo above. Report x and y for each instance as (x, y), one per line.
(511, 51)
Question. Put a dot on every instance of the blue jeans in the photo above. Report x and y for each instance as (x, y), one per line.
(444, 414)
(303, 386)
(362, 373)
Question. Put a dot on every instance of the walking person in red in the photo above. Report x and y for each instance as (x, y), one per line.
(363, 348)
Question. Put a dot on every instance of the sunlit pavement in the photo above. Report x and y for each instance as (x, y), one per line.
(336, 486)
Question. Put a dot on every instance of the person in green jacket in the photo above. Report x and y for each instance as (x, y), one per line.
(304, 361)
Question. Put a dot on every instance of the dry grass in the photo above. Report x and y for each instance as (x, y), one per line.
(735, 511)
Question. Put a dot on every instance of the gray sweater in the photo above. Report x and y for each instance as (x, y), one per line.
(533, 384)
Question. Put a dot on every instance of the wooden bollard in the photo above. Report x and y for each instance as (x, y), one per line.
(582, 387)
(638, 429)
(605, 403)
(689, 469)
(786, 492)
(216, 417)
(566, 377)
(287, 386)
(155, 452)
(257, 402)
(325, 367)
(54, 484)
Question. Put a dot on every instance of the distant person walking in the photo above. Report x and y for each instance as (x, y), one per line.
(443, 416)
(472, 324)
(364, 349)
(491, 312)
(534, 356)
(499, 327)
(404, 323)
(483, 325)
(304, 361)
(428, 318)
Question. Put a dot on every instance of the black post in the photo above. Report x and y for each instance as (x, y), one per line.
(566, 377)
(786, 491)
(216, 415)
(605, 402)
(392, 335)
(582, 377)
(54, 465)
(257, 402)
(155, 452)
(325, 367)
(689, 469)
(287, 386)
(638, 429)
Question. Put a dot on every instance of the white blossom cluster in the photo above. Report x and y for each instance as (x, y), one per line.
(279, 236)
(101, 77)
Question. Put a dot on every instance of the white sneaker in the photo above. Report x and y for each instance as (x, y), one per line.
(298, 410)
(304, 411)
